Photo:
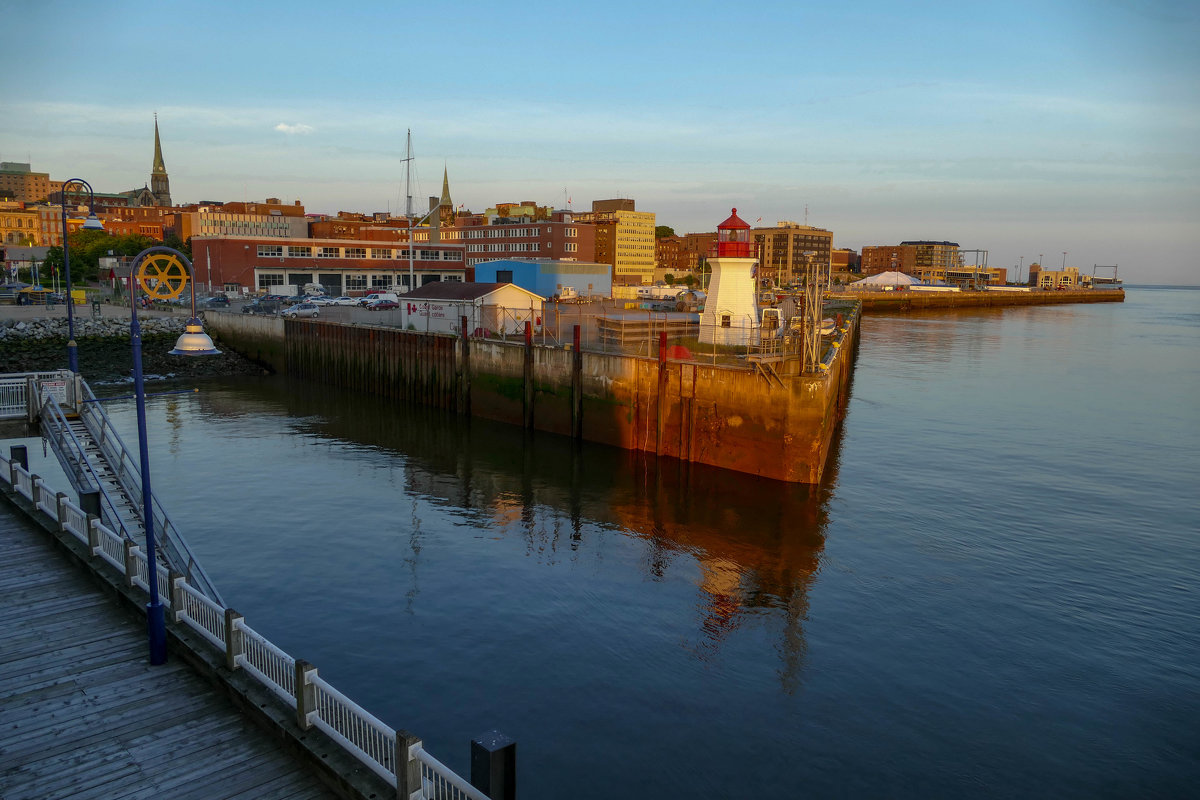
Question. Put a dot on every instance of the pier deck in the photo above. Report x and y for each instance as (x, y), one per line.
(84, 715)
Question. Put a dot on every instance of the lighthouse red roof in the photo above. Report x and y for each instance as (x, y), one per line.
(734, 222)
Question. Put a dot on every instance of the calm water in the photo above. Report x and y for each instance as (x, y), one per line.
(994, 593)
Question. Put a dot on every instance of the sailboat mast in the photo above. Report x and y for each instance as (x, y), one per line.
(408, 209)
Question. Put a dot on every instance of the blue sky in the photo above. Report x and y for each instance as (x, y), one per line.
(1019, 128)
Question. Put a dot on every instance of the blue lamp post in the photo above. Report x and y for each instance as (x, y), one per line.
(92, 223)
(193, 342)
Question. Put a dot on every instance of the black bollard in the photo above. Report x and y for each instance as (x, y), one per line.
(494, 765)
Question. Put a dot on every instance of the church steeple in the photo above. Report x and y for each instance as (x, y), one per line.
(446, 205)
(160, 184)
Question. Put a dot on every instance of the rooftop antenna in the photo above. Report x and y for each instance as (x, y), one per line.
(806, 213)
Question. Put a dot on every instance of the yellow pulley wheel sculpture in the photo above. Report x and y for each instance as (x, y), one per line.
(162, 276)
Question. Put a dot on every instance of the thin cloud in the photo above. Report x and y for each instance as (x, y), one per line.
(290, 130)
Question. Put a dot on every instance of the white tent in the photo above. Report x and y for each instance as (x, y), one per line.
(891, 278)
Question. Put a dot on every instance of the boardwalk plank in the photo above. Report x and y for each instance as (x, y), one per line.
(83, 715)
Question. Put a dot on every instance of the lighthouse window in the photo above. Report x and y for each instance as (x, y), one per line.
(725, 321)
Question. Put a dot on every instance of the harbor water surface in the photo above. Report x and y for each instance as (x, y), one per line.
(994, 593)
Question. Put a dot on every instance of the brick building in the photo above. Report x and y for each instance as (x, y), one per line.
(342, 266)
(921, 259)
(548, 234)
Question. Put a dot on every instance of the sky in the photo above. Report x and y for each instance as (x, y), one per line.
(1026, 129)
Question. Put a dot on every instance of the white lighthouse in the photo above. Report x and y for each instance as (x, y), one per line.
(730, 311)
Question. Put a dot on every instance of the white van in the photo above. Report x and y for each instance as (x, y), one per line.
(373, 296)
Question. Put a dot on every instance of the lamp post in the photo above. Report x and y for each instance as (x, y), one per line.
(193, 342)
(92, 223)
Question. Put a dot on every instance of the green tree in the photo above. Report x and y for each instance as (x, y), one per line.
(175, 243)
(690, 280)
(663, 230)
(669, 278)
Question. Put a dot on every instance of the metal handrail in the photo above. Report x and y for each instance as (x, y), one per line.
(128, 474)
(58, 420)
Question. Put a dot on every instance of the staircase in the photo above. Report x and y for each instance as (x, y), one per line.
(98, 465)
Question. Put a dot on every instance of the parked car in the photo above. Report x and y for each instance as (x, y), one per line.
(343, 301)
(321, 299)
(260, 305)
(216, 301)
(302, 310)
(374, 296)
(382, 305)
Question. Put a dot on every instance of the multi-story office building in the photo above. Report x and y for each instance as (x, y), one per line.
(271, 218)
(341, 266)
(19, 182)
(624, 239)
(786, 251)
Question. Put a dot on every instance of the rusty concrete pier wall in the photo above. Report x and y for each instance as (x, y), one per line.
(906, 300)
(734, 418)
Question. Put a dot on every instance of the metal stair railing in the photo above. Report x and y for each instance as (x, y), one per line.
(84, 477)
(128, 474)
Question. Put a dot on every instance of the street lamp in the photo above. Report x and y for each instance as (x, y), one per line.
(193, 342)
(92, 223)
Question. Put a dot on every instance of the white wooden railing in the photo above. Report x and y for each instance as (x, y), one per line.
(317, 703)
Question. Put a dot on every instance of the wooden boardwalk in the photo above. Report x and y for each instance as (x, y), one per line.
(84, 715)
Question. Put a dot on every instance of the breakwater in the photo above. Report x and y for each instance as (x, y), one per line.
(773, 423)
(40, 344)
(903, 300)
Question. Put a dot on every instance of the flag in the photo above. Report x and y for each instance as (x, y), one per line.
(570, 200)
(758, 220)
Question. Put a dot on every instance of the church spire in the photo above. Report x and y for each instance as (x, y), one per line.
(160, 184)
(446, 188)
(445, 204)
(159, 166)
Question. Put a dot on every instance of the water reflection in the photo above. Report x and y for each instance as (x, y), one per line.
(748, 544)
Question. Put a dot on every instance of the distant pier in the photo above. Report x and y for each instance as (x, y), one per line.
(903, 300)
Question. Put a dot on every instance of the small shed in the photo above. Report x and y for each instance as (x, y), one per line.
(490, 308)
(547, 277)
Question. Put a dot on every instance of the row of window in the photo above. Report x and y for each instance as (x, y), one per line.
(306, 251)
(357, 281)
(506, 247)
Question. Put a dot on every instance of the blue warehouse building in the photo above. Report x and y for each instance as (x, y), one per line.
(547, 278)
